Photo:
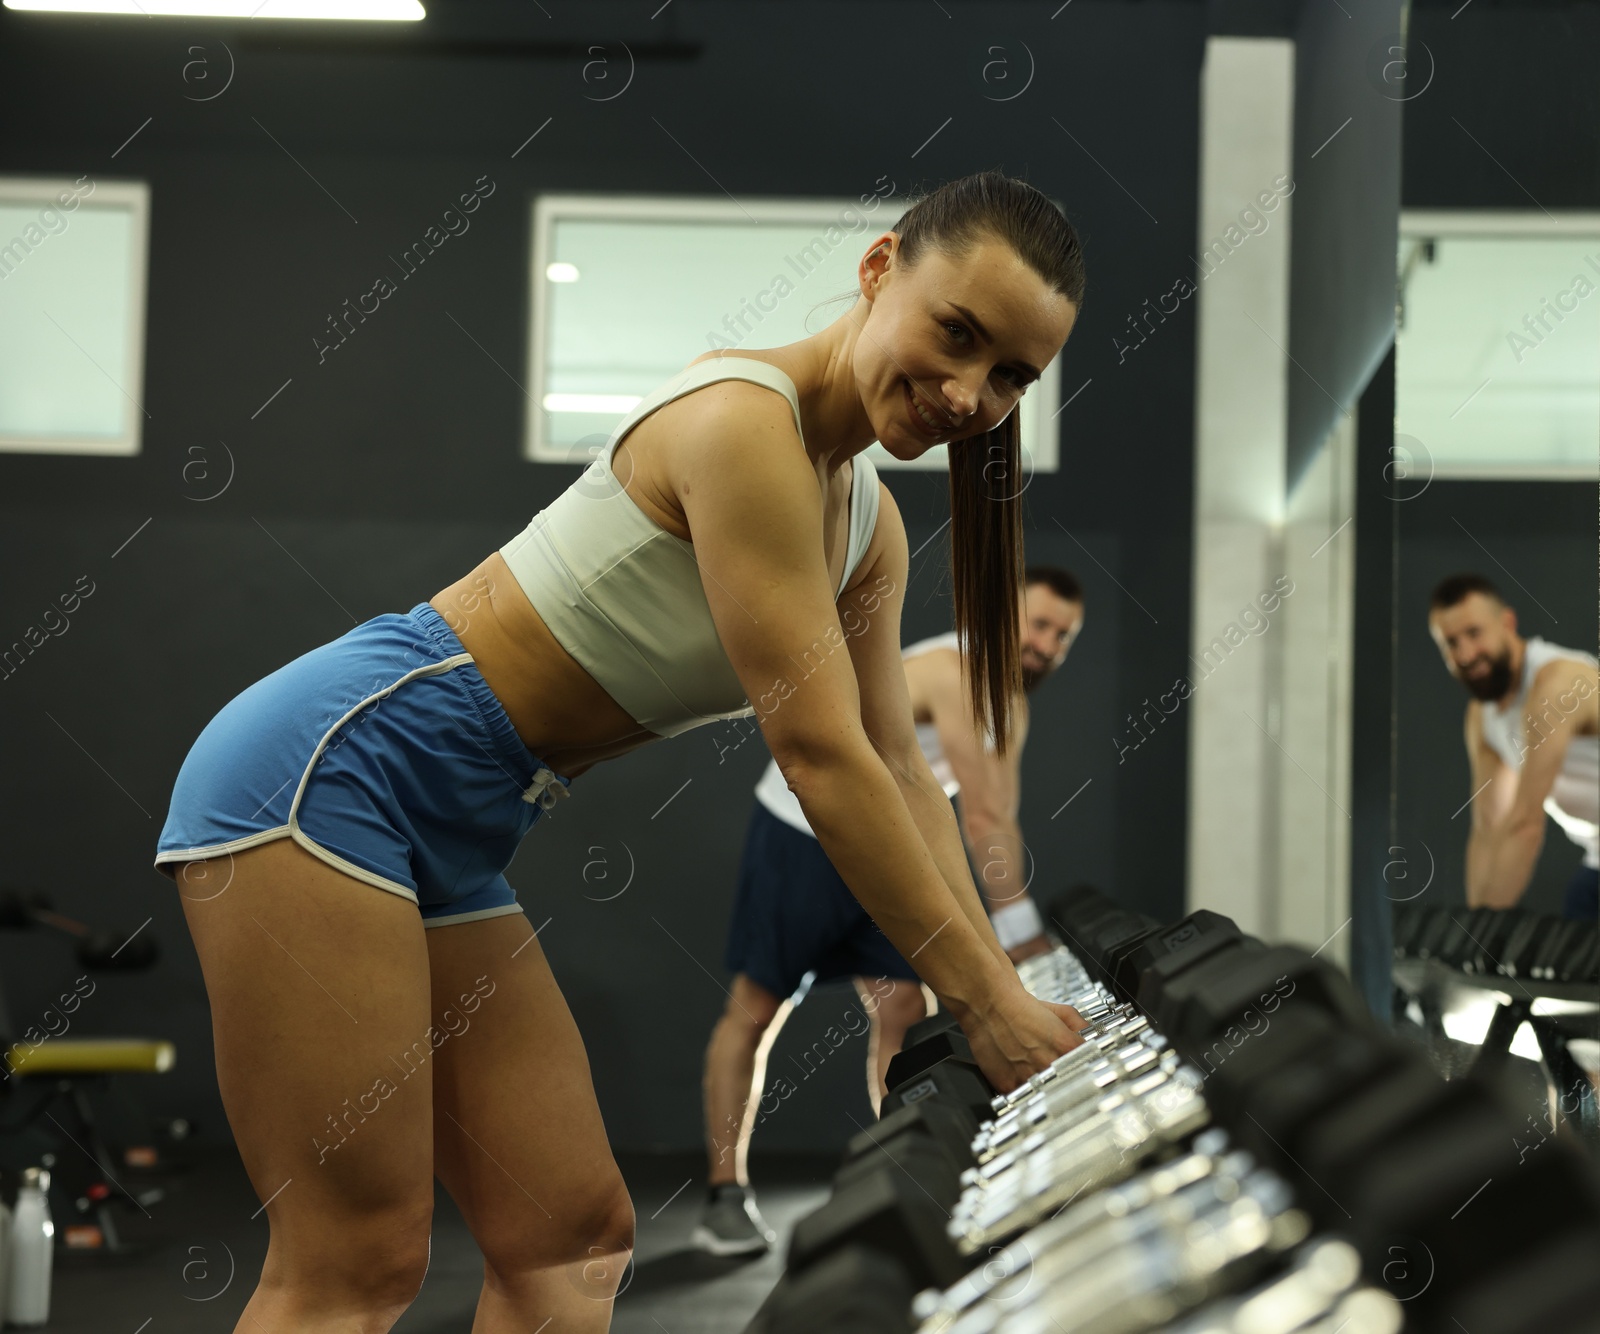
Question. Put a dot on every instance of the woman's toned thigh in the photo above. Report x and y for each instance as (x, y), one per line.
(518, 1139)
(317, 983)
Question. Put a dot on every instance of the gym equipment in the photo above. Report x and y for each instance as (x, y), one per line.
(1176, 1170)
(1491, 942)
(1408, 921)
(1237, 994)
(855, 1290)
(1111, 936)
(1287, 1077)
(1191, 937)
(1544, 969)
(885, 1210)
(1457, 1185)
(42, 1065)
(926, 1028)
(100, 950)
(951, 1080)
(1454, 941)
(1435, 924)
(1489, 930)
(1321, 1285)
(1574, 945)
(925, 1160)
(951, 1125)
(1555, 1289)
(1517, 954)
(1075, 912)
(915, 1057)
(1163, 972)
(1083, 1149)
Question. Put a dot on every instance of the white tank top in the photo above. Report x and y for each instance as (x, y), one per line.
(773, 792)
(623, 596)
(1574, 800)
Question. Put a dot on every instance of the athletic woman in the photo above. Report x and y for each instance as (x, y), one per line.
(729, 552)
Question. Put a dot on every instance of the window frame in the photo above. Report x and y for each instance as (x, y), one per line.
(45, 191)
(1041, 405)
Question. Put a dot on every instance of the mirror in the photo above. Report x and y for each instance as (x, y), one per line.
(1497, 419)
(749, 275)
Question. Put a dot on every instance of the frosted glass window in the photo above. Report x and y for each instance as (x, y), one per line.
(1497, 354)
(627, 291)
(72, 314)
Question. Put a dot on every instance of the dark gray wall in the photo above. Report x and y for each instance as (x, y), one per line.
(1346, 214)
(375, 479)
(1374, 680)
(1510, 115)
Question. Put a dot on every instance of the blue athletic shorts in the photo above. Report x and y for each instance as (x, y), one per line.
(385, 754)
(794, 914)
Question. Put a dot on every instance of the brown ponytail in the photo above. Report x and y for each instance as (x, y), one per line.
(986, 483)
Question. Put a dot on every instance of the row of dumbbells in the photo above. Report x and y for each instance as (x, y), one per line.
(1420, 1175)
(1122, 1229)
(1234, 1142)
(1093, 1114)
(1506, 942)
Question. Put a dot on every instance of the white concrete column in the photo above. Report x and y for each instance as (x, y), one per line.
(1241, 418)
(1312, 888)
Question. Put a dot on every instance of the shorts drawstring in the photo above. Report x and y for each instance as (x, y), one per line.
(546, 789)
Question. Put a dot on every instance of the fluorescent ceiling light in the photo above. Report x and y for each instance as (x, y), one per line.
(403, 10)
(561, 273)
(590, 402)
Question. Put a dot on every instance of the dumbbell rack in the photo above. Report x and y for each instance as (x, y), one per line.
(1173, 1172)
(1544, 971)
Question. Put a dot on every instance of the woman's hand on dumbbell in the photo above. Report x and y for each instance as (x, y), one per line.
(1014, 1034)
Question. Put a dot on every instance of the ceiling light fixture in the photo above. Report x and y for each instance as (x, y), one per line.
(381, 10)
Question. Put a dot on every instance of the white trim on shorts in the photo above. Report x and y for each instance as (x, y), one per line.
(476, 916)
(293, 830)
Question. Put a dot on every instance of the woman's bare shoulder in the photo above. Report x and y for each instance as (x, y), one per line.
(727, 407)
(711, 430)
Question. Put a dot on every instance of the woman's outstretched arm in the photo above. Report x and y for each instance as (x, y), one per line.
(870, 614)
(750, 495)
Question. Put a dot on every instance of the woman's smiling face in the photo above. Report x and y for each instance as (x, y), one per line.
(948, 347)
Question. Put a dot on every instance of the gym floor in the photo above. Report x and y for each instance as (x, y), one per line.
(202, 1230)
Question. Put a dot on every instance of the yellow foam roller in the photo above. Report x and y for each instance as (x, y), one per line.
(90, 1056)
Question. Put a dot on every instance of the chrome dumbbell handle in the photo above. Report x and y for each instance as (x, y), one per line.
(1056, 1098)
(1313, 1296)
(1097, 1038)
(1153, 1278)
(1210, 1153)
(1103, 1151)
(1067, 1263)
(1047, 1132)
(1133, 1287)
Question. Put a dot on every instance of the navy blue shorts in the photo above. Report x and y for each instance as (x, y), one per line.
(1582, 900)
(385, 754)
(794, 915)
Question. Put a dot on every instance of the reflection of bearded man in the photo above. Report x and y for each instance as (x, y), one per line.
(1488, 676)
(1533, 740)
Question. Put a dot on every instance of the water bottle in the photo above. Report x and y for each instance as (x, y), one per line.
(5, 1253)
(31, 1249)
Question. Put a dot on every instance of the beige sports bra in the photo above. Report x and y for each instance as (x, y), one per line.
(623, 596)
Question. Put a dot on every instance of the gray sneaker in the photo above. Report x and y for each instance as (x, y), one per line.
(731, 1225)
